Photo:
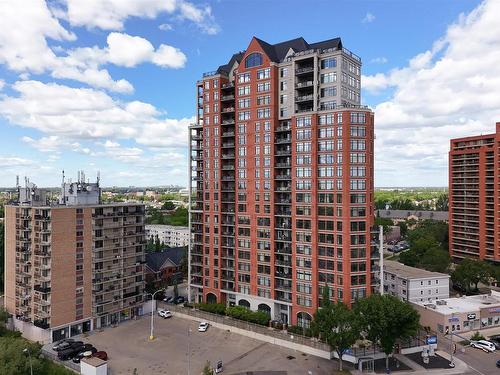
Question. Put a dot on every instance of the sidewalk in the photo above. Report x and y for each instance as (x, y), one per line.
(485, 332)
(416, 369)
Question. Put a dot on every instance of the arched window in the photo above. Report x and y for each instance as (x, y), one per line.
(254, 59)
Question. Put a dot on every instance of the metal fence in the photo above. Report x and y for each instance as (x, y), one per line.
(370, 350)
(252, 327)
(53, 356)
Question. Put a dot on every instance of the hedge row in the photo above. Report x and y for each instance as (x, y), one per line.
(237, 312)
(214, 308)
(242, 313)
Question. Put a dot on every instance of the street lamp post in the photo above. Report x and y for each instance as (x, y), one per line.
(26, 351)
(189, 350)
(151, 335)
(452, 349)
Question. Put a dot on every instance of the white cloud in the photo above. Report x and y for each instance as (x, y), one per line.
(126, 50)
(2, 84)
(369, 17)
(201, 16)
(88, 114)
(112, 14)
(165, 27)
(14, 161)
(24, 31)
(449, 91)
(379, 60)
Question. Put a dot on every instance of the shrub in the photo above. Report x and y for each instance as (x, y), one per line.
(188, 305)
(477, 336)
(214, 308)
(242, 313)
(298, 330)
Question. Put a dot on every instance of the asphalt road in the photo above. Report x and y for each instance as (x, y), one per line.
(480, 363)
(174, 350)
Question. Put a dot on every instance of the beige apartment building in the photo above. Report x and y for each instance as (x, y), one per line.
(73, 265)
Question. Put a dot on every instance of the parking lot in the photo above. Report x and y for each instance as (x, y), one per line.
(129, 348)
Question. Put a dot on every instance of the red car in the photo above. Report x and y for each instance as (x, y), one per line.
(101, 355)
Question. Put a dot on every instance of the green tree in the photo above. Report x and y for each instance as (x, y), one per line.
(14, 362)
(168, 206)
(403, 228)
(207, 369)
(442, 202)
(435, 260)
(337, 325)
(384, 319)
(385, 222)
(471, 272)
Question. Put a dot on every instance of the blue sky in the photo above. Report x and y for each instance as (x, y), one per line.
(109, 85)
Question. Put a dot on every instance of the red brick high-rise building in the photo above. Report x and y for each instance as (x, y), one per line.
(282, 180)
(474, 177)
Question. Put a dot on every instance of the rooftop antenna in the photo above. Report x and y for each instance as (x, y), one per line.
(98, 177)
(63, 188)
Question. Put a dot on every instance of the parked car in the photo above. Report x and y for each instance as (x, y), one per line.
(483, 345)
(179, 299)
(83, 354)
(498, 363)
(164, 313)
(70, 352)
(101, 355)
(203, 327)
(168, 299)
(63, 344)
(495, 340)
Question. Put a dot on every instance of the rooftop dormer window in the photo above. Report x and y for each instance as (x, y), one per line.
(254, 59)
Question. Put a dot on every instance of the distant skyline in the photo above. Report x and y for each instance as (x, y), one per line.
(109, 85)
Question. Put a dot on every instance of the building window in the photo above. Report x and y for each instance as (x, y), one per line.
(329, 63)
(254, 59)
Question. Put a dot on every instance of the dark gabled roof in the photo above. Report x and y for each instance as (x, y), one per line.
(278, 51)
(325, 44)
(155, 261)
(227, 68)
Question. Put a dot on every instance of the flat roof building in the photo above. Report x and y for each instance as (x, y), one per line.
(414, 284)
(474, 177)
(282, 180)
(461, 314)
(75, 264)
(168, 235)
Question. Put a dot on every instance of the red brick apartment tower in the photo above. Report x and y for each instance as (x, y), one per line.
(282, 180)
(473, 196)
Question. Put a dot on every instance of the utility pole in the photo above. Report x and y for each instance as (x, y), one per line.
(190, 191)
(381, 255)
(189, 350)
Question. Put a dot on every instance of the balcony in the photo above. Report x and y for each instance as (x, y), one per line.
(228, 86)
(41, 289)
(228, 110)
(304, 70)
(304, 84)
(282, 140)
(283, 128)
(303, 98)
(283, 177)
(287, 152)
(225, 98)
